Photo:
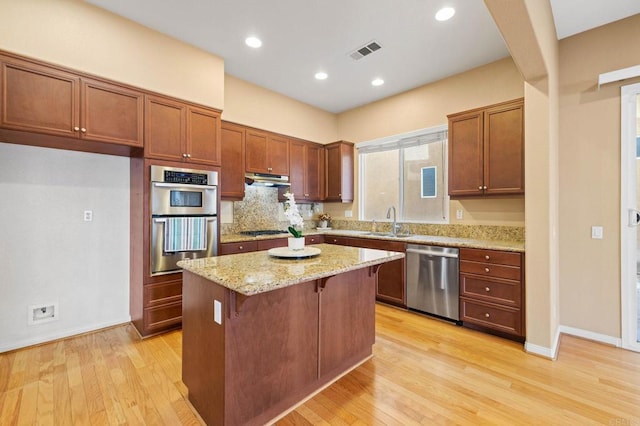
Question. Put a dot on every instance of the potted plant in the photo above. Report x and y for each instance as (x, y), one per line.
(325, 218)
(295, 219)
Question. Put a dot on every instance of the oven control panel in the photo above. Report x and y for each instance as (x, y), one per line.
(171, 176)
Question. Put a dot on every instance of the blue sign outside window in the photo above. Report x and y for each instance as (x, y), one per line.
(428, 182)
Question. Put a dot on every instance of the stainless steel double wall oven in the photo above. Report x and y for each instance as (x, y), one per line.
(184, 216)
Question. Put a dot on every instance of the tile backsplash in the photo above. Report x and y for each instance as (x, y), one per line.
(260, 209)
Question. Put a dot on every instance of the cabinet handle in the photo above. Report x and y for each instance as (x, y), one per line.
(487, 289)
(486, 269)
(480, 188)
(188, 155)
(269, 168)
(76, 129)
(240, 248)
(339, 195)
(306, 195)
(184, 155)
(83, 130)
(487, 315)
(487, 257)
(484, 187)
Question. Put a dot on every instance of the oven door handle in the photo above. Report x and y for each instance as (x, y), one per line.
(164, 219)
(181, 185)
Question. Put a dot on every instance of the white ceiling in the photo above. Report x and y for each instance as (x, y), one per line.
(301, 37)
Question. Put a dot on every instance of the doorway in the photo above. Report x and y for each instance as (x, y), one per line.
(630, 216)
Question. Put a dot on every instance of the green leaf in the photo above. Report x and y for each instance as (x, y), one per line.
(295, 232)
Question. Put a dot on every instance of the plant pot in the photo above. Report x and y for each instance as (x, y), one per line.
(324, 224)
(295, 243)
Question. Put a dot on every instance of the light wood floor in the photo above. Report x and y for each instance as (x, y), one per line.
(423, 372)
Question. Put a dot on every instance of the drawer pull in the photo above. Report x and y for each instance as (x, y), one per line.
(240, 247)
(487, 289)
(487, 315)
(487, 257)
(486, 269)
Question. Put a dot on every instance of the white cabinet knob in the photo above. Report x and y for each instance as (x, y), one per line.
(83, 130)
(487, 315)
(487, 257)
(486, 269)
(487, 289)
(480, 188)
(76, 129)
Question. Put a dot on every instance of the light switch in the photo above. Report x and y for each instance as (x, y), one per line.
(596, 232)
(217, 311)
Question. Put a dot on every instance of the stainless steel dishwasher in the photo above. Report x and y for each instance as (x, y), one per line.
(432, 280)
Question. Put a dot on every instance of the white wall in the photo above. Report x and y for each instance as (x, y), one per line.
(48, 253)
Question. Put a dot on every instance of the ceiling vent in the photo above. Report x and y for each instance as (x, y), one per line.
(365, 50)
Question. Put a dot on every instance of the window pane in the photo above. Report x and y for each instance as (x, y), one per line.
(417, 208)
(380, 183)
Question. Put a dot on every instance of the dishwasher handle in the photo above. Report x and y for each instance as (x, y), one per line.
(432, 253)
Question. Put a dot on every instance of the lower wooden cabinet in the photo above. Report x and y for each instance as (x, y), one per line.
(161, 305)
(391, 280)
(239, 247)
(492, 291)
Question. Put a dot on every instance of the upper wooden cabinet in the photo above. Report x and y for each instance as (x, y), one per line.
(339, 172)
(48, 100)
(232, 155)
(177, 131)
(306, 170)
(266, 152)
(486, 150)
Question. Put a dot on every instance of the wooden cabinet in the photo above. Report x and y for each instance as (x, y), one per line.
(232, 161)
(486, 150)
(176, 131)
(306, 170)
(48, 100)
(314, 239)
(266, 152)
(391, 280)
(239, 247)
(492, 291)
(339, 172)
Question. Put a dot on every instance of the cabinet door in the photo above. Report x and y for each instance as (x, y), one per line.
(256, 151)
(297, 170)
(339, 172)
(504, 149)
(39, 99)
(232, 169)
(466, 154)
(278, 155)
(111, 114)
(314, 175)
(203, 136)
(165, 129)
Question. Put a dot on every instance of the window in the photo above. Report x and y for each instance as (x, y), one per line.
(408, 172)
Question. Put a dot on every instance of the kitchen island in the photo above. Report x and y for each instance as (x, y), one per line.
(261, 334)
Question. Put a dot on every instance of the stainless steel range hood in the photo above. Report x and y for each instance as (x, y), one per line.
(264, 179)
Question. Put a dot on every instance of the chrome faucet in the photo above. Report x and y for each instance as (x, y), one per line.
(394, 226)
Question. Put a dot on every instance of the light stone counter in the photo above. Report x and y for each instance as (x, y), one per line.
(258, 272)
(517, 246)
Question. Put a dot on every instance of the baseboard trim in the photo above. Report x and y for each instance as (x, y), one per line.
(62, 334)
(590, 335)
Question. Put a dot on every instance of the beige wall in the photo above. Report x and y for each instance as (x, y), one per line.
(80, 36)
(251, 105)
(428, 106)
(590, 174)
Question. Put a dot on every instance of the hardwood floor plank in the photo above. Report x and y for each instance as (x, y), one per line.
(423, 372)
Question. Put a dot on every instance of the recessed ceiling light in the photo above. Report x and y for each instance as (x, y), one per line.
(321, 75)
(377, 82)
(445, 13)
(254, 42)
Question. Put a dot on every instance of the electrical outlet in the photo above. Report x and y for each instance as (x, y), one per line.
(348, 213)
(38, 314)
(597, 232)
(459, 214)
(88, 215)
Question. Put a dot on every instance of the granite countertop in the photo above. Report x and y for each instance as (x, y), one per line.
(517, 246)
(258, 272)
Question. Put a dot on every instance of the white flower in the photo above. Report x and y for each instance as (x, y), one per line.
(291, 210)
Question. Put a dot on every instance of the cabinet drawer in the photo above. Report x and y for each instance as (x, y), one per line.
(491, 290)
(163, 317)
(490, 270)
(240, 247)
(491, 256)
(379, 244)
(332, 239)
(314, 239)
(501, 318)
(162, 293)
(271, 243)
